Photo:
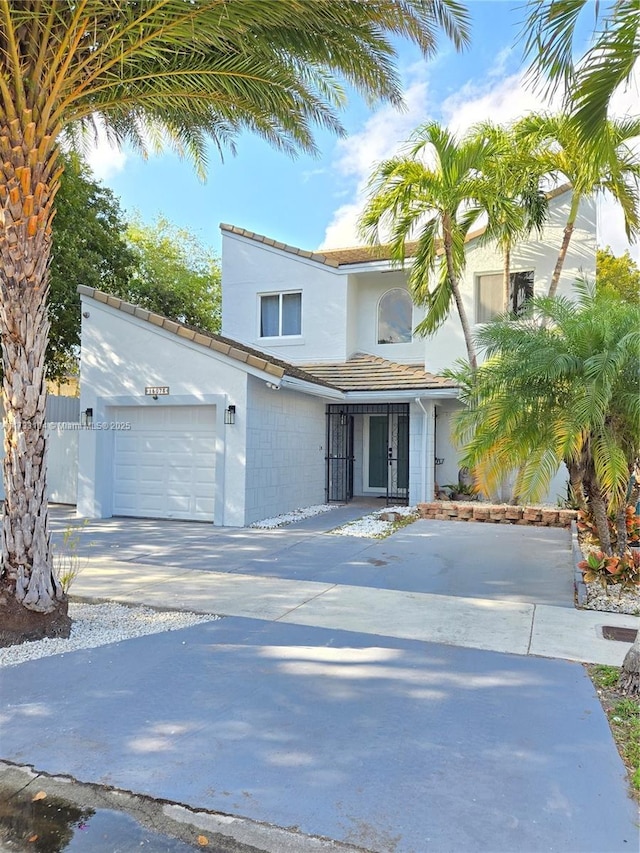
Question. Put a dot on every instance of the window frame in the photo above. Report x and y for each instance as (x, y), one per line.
(280, 294)
(406, 293)
(512, 274)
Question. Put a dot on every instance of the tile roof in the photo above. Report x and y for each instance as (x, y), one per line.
(233, 349)
(363, 372)
(356, 254)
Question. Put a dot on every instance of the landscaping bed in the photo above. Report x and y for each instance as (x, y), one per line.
(497, 513)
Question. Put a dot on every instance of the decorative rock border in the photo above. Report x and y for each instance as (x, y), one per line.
(497, 513)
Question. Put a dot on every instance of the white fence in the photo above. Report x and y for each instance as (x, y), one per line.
(62, 454)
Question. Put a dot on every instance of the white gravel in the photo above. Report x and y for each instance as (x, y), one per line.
(293, 516)
(100, 624)
(612, 599)
(373, 526)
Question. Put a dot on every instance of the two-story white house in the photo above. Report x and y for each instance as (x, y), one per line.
(318, 390)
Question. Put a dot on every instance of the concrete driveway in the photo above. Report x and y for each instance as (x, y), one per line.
(333, 713)
(494, 562)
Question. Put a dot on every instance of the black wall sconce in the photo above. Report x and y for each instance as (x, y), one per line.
(86, 418)
(230, 415)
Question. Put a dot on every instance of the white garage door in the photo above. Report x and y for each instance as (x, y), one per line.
(165, 465)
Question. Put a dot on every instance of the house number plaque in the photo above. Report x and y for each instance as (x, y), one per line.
(157, 391)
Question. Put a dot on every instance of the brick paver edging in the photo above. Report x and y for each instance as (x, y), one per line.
(497, 513)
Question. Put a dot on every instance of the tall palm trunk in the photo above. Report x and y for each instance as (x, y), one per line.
(506, 276)
(462, 314)
(576, 474)
(27, 188)
(566, 239)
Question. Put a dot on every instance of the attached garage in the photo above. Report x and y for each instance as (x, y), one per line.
(164, 462)
(191, 426)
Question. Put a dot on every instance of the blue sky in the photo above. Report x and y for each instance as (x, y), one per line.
(311, 202)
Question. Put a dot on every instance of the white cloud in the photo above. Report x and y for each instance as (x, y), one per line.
(104, 158)
(382, 136)
(386, 130)
(502, 99)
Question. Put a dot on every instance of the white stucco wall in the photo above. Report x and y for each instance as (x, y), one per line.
(421, 450)
(122, 355)
(286, 437)
(362, 320)
(250, 268)
(445, 450)
(447, 472)
(339, 307)
(539, 255)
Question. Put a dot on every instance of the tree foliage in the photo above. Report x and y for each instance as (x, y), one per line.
(89, 247)
(517, 205)
(607, 163)
(430, 196)
(160, 267)
(608, 63)
(560, 385)
(618, 275)
(174, 274)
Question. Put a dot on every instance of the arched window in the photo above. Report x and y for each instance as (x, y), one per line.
(394, 317)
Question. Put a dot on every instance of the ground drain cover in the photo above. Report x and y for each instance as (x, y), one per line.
(625, 635)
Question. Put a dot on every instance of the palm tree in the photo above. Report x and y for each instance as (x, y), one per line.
(184, 72)
(606, 163)
(520, 206)
(431, 196)
(565, 390)
(608, 63)
(560, 390)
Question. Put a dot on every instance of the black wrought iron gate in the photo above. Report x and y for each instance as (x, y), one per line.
(340, 449)
(339, 455)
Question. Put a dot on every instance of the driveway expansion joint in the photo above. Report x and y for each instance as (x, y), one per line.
(533, 619)
(302, 603)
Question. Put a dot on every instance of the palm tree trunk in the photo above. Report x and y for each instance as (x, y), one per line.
(621, 530)
(27, 190)
(506, 278)
(598, 507)
(576, 475)
(462, 314)
(566, 239)
(629, 681)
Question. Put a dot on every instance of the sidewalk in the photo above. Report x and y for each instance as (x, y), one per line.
(502, 626)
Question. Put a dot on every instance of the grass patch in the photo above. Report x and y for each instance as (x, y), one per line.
(624, 718)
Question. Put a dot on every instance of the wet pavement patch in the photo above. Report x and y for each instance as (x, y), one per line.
(54, 825)
(43, 814)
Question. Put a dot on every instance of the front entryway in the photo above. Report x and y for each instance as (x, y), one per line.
(372, 440)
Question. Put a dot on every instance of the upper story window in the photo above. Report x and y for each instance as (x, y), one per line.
(490, 294)
(395, 314)
(280, 315)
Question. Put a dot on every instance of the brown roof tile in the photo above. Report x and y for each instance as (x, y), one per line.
(363, 372)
